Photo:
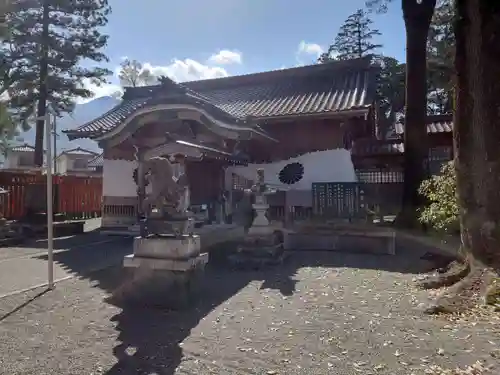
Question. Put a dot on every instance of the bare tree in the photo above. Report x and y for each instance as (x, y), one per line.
(133, 74)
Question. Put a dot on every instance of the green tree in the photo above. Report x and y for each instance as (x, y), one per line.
(441, 211)
(133, 74)
(48, 41)
(4, 7)
(390, 91)
(354, 39)
(8, 124)
(417, 15)
(440, 54)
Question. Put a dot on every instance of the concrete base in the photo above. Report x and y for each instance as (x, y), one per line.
(162, 288)
(262, 231)
(180, 265)
(167, 247)
(210, 235)
(164, 283)
(377, 241)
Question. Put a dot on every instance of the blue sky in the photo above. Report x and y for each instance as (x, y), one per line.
(183, 37)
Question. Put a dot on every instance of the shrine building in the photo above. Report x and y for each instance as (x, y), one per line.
(298, 124)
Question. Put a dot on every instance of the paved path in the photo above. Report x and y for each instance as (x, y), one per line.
(26, 266)
(334, 314)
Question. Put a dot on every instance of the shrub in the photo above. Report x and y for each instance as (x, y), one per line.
(441, 211)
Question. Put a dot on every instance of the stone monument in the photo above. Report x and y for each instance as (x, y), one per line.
(260, 225)
(263, 244)
(167, 257)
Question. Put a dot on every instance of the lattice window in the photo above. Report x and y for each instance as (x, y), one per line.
(439, 156)
(379, 176)
(240, 182)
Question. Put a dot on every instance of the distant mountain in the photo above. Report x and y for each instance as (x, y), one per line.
(82, 113)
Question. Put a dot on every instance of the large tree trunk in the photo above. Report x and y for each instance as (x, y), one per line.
(477, 151)
(417, 19)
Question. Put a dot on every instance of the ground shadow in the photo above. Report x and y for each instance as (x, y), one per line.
(24, 304)
(62, 242)
(82, 258)
(150, 339)
(407, 261)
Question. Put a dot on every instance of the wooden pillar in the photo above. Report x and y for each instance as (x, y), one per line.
(141, 191)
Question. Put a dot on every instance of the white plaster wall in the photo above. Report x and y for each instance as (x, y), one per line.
(11, 160)
(117, 180)
(62, 164)
(72, 158)
(320, 166)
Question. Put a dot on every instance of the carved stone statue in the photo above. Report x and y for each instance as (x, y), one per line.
(259, 184)
(168, 192)
(169, 195)
(260, 188)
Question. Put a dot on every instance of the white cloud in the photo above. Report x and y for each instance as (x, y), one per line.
(308, 53)
(310, 49)
(226, 57)
(107, 89)
(178, 70)
(187, 70)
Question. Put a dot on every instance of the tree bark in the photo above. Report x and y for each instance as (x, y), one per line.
(477, 151)
(417, 19)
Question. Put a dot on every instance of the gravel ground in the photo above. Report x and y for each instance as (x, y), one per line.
(317, 314)
(26, 266)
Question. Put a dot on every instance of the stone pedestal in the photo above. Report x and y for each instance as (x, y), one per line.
(263, 244)
(167, 271)
(258, 251)
(167, 247)
(260, 225)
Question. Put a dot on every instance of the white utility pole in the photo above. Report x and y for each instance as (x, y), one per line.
(54, 134)
(50, 205)
(50, 202)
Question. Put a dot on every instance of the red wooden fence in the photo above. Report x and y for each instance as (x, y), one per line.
(77, 197)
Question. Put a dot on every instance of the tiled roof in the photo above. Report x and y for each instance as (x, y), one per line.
(23, 148)
(98, 161)
(435, 124)
(370, 146)
(315, 89)
(79, 151)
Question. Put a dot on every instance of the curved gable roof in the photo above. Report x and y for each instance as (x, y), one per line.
(329, 88)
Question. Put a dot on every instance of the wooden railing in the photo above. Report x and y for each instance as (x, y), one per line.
(75, 197)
